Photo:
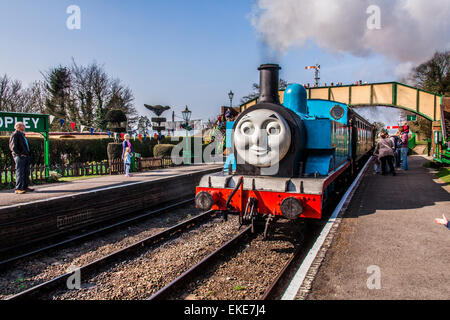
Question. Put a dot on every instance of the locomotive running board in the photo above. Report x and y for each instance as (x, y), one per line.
(274, 184)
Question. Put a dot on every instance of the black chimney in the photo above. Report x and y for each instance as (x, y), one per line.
(268, 83)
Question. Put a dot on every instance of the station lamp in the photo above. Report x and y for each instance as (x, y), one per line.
(186, 114)
(186, 117)
(231, 95)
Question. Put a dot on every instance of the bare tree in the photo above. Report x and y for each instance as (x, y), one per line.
(12, 97)
(83, 83)
(255, 93)
(36, 97)
(144, 124)
(122, 98)
(433, 75)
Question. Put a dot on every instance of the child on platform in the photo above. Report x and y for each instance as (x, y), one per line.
(376, 164)
(127, 161)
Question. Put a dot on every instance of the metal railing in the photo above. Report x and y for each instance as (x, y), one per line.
(37, 172)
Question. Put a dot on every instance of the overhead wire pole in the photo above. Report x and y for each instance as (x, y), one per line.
(316, 73)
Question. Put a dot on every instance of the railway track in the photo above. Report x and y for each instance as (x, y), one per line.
(7, 260)
(185, 285)
(200, 267)
(201, 273)
(189, 284)
(175, 287)
(89, 269)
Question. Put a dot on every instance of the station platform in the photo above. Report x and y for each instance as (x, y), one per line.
(387, 245)
(63, 208)
(48, 191)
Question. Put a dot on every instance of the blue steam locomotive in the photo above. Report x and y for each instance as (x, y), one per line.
(287, 157)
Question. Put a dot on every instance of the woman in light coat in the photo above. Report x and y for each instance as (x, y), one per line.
(385, 152)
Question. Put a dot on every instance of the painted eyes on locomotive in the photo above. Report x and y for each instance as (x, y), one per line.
(272, 127)
(262, 137)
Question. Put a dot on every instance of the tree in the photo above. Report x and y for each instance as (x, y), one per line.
(36, 97)
(379, 127)
(144, 124)
(83, 78)
(421, 125)
(433, 75)
(84, 94)
(116, 121)
(12, 97)
(80, 94)
(121, 98)
(282, 84)
(60, 103)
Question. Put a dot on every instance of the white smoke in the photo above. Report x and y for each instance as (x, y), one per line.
(410, 30)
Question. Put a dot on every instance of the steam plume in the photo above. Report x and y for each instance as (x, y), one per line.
(411, 30)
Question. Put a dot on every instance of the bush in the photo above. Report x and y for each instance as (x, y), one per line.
(162, 150)
(72, 150)
(114, 151)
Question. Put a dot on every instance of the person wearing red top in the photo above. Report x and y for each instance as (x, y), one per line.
(404, 147)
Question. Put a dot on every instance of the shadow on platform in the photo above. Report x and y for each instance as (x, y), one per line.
(410, 189)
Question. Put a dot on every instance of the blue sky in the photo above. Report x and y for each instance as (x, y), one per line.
(173, 53)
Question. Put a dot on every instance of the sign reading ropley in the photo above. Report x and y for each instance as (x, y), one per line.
(32, 122)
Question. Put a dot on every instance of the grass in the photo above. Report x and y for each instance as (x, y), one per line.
(427, 165)
(38, 182)
(444, 174)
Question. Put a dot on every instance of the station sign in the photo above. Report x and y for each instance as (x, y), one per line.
(33, 122)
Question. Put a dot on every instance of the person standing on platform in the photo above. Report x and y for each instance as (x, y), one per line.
(385, 152)
(127, 161)
(398, 153)
(20, 149)
(126, 144)
(404, 147)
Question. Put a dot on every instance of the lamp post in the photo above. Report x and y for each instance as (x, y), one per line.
(231, 95)
(186, 117)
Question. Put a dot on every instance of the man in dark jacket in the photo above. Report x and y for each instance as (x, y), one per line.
(18, 144)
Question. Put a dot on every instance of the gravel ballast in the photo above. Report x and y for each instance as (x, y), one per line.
(142, 276)
(24, 274)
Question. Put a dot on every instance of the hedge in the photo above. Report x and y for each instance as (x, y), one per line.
(77, 150)
(163, 150)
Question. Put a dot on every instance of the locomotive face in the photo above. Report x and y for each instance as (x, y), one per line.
(262, 137)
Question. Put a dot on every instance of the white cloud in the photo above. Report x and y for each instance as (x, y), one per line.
(411, 30)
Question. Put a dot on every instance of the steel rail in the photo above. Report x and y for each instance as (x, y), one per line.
(84, 236)
(206, 262)
(94, 266)
(273, 291)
